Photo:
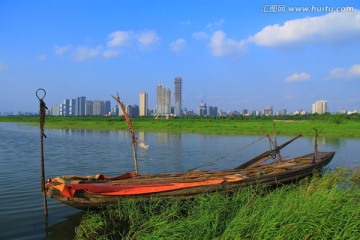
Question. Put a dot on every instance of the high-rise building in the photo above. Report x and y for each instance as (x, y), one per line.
(143, 104)
(132, 110)
(64, 107)
(159, 92)
(115, 110)
(163, 100)
(67, 108)
(89, 108)
(319, 107)
(202, 109)
(55, 110)
(98, 108)
(107, 107)
(177, 96)
(281, 112)
(72, 107)
(80, 106)
(212, 111)
(101, 108)
(268, 111)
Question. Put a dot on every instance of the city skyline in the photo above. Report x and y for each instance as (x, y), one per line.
(234, 55)
(165, 107)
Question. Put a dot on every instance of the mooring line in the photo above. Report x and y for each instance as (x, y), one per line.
(227, 155)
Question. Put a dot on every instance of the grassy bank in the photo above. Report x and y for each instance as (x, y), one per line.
(326, 207)
(343, 128)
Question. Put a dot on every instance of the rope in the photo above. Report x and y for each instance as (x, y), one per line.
(42, 114)
(229, 154)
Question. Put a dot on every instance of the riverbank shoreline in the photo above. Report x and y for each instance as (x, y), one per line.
(331, 129)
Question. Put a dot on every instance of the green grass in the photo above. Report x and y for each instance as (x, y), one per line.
(326, 207)
(331, 128)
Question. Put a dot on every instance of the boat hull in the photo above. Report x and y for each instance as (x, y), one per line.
(272, 174)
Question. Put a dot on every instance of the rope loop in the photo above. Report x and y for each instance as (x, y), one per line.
(38, 92)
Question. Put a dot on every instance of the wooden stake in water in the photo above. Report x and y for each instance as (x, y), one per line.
(42, 114)
(316, 145)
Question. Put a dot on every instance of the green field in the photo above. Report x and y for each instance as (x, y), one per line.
(333, 127)
(326, 207)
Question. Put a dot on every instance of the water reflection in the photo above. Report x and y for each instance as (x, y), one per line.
(61, 231)
(322, 141)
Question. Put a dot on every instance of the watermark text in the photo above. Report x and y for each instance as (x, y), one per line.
(281, 8)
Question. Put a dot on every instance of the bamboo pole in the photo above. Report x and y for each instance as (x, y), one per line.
(132, 133)
(265, 155)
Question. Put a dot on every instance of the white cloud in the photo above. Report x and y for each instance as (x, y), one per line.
(215, 25)
(178, 46)
(221, 46)
(118, 38)
(147, 38)
(41, 57)
(210, 27)
(334, 27)
(110, 53)
(60, 50)
(201, 35)
(328, 28)
(83, 53)
(297, 77)
(345, 73)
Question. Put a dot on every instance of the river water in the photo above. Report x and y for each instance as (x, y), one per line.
(87, 152)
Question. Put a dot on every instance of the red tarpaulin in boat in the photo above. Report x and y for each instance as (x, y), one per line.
(68, 185)
(68, 190)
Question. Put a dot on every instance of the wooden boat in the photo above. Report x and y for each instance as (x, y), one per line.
(99, 190)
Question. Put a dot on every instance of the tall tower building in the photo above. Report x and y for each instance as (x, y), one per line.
(211, 111)
(80, 106)
(98, 108)
(167, 101)
(202, 109)
(65, 107)
(177, 96)
(132, 110)
(163, 100)
(159, 98)
(143, 104)
(72, 107)
(89, 108)
(107, 107)
(268, 111)
(319, 107)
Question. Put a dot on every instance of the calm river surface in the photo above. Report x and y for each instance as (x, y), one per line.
(87, 152)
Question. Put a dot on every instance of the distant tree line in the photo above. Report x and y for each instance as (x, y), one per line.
(328, 117)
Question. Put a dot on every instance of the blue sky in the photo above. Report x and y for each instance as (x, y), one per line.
(231, 54)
